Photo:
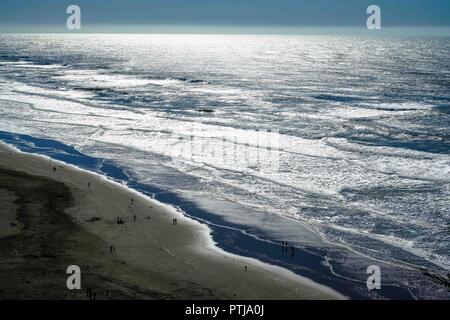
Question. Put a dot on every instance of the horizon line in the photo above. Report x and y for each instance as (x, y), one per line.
(226, 29)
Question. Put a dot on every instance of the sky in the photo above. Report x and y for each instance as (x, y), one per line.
(207, 15)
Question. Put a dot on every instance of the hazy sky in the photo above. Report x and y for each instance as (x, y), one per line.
(33, 15)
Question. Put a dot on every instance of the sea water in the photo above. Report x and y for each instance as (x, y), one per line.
(339, 145)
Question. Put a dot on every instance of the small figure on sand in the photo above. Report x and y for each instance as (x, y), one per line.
(134, 218)
(245, 268)
(119, 220)
(132, 201)
(89, 185)
(54, 169)
(89, 293)
(284, 246)
(174, 221)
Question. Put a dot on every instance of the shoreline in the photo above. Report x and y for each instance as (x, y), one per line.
(184, 253)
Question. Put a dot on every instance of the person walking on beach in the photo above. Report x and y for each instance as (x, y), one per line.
(282, 246)
(134, 218)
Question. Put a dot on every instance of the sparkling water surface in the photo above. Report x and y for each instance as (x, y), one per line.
(362, 126)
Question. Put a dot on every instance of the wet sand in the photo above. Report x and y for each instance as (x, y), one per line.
(55, 215)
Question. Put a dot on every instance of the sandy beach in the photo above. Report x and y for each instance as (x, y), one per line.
(127, 245)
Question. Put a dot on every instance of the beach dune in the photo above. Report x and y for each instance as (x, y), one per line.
(127, 245)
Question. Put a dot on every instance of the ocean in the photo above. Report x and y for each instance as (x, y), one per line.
(339, 145)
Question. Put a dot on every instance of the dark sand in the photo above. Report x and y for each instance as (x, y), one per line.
(33, 262)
